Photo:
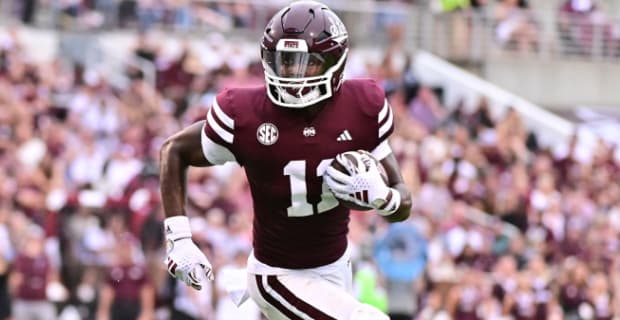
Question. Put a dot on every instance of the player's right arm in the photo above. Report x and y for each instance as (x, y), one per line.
(201, 144)
(178, 153)
(184, 260)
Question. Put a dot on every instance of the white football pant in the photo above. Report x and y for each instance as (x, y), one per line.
(322, 293)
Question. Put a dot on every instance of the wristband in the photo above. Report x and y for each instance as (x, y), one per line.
(177, 227)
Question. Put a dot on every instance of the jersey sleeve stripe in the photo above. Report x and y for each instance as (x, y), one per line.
(384, 111)
(226, 120)
(213, 152)
(213, 124)
(385, 127)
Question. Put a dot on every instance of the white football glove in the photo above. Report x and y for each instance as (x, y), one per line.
(184, 260)
(363, 187)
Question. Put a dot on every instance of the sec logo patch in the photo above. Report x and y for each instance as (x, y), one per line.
(267, 134)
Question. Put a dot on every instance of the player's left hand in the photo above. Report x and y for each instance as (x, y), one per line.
(366, 188)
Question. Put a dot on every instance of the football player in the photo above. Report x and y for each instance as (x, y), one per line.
(285, 135)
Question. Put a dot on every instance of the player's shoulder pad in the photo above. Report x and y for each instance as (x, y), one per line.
(232, 100)
(224, 101)
(370, 94)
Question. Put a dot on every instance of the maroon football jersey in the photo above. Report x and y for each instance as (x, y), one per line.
(127, 281)
(298, 223)
(35, 272)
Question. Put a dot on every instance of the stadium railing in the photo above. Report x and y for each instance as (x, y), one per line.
(473, 36)
(469, 35)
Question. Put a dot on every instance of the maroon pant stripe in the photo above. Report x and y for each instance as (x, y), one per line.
(272, 301)
(301, 305)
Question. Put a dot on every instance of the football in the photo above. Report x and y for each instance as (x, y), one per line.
(354, 158)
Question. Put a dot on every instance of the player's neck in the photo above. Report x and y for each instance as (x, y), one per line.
(310, 113)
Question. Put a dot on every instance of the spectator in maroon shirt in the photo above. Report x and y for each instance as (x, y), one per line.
(522, 303)
(600, 296)
(573, 286)
(504, 277)
(464, 298)
(32, 272)
(540, 277)
(574, 243)
(127, 293)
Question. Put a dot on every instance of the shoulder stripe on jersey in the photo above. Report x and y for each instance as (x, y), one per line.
(225, 135)
(213, 152)
(228, 121)
(384, 111)
(388, 123)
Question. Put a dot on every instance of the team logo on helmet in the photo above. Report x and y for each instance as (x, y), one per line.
(267, 134)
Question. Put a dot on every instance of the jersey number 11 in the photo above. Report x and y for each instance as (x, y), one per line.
(296, 170)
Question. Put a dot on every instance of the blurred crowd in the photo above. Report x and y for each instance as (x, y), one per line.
(564, 201)
(81, 222)
(581, 27)
(178, 14)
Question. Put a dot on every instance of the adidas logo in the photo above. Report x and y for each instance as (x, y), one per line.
(344, 136)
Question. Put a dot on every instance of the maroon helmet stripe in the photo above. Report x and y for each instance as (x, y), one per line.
(272, 301)
(298, 303)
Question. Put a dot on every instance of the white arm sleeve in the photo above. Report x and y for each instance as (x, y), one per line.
(382, 150)
(213, 152)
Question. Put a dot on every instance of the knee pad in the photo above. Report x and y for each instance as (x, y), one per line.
(367, 312)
